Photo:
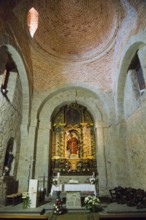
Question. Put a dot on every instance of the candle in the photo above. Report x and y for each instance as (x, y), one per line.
(58, 174)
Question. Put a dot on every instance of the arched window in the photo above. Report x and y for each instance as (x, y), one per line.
(7, 66)
(32, 21)
(135, 65)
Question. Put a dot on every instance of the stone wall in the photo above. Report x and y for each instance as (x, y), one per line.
(134, 113)
(10, 121)
(10, 111)
(131, 94)
(136, 139)
(120, 146)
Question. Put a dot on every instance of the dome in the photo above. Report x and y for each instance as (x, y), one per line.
(76, 29)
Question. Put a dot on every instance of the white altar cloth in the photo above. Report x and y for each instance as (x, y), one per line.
(80, 187)
(55, 188)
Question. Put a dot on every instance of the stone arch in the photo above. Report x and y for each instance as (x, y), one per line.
(83, 96)
(135, 43)
(24, 82)
(13, 49)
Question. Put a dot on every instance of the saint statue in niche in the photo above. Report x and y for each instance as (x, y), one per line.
(9, 157)
(73, 146)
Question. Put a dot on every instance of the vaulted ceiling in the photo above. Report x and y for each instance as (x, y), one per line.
(78, 42)
(76, 29)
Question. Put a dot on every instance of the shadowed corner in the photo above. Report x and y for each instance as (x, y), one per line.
(42, 211)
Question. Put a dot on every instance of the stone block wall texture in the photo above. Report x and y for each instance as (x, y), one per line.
(131, 94)
(11, 116)
(136, 139)
(124, 143)
(100, 73)
(50, 73)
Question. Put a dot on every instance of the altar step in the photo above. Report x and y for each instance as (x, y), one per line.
(77, 216)
(20, 216)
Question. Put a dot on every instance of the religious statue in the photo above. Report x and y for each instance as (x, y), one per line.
(8, 162)
(73, 146)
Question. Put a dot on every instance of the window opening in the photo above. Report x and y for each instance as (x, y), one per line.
(32, 21)
(10, 66)
(135, 64)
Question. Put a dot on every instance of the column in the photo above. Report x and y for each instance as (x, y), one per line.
(42, 164)
(101, 160)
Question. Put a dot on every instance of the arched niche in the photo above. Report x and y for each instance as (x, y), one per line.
(8, 168)
(8, 56)
(96, 105)
(73, 146)
(20, 131)
(135, 43)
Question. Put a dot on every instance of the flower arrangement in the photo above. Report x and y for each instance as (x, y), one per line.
(26, 200)
(58, 208)
(55, 182)
(92, 180)
(92, 202)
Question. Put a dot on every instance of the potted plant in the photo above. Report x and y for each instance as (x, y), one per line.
(92, 180)
(26, 200)
(55, 182)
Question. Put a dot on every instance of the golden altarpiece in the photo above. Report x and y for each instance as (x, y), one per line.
(73, 141)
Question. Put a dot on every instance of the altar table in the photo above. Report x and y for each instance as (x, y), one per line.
(74, 188)
(80, 188)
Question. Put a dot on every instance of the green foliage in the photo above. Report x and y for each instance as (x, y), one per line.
(26, 200)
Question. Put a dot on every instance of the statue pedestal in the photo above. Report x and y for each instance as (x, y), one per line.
(73, 200)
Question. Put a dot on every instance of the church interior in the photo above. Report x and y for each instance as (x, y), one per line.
(72, 100)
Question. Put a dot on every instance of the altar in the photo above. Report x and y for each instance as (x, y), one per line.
(80, 188)
(74, 188)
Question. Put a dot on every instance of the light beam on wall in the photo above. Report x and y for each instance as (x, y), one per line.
(32, 21)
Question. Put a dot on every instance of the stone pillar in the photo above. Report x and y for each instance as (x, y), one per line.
(43, 154)
(26, 156)
(122, 165)
(101, 160)
(22, 170)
